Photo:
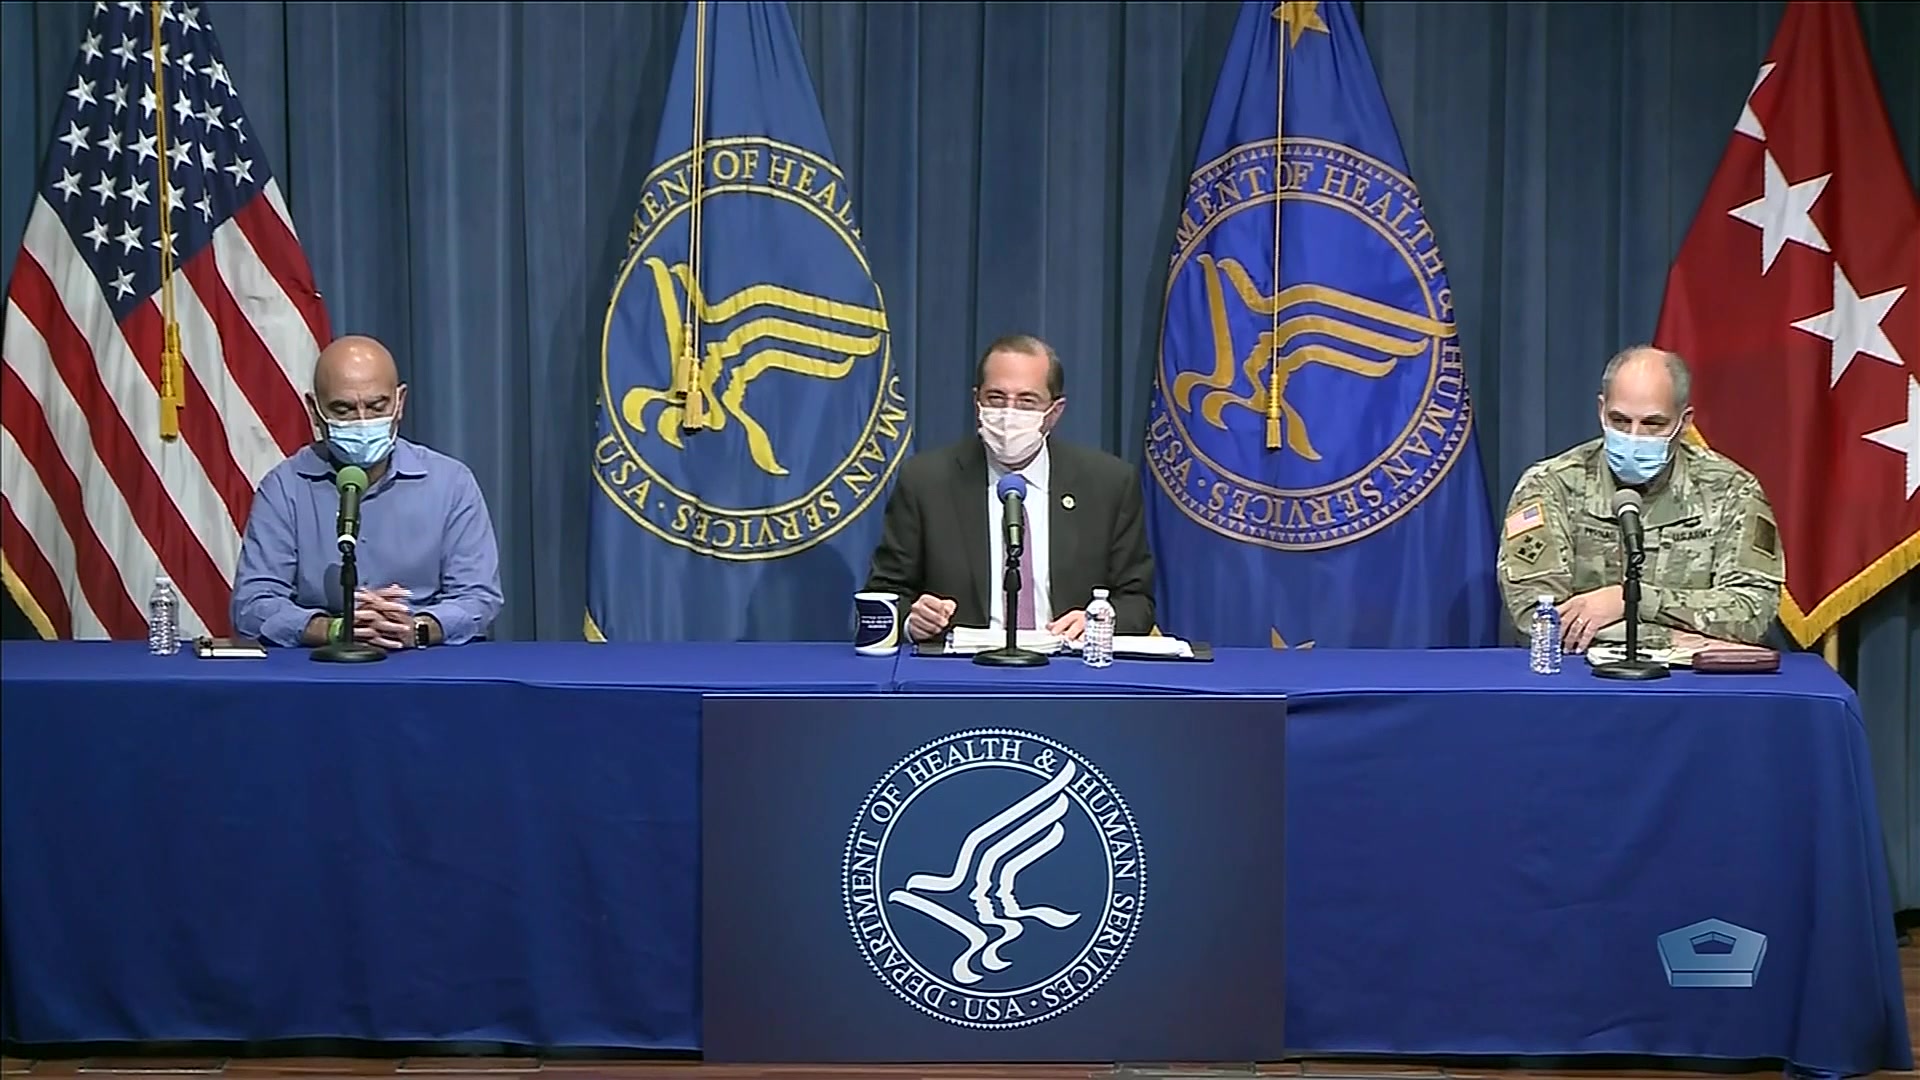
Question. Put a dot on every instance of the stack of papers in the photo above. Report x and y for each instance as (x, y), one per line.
(1611, 653)
(1679, 654)
(1151, 645)
(969, 640)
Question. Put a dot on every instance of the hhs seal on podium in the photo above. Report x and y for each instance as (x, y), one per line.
(994, 878)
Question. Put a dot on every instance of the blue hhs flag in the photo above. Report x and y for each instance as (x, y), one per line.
(751, 409)
(1311, 472)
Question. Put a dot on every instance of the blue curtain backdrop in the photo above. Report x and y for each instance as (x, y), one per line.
(463, 176)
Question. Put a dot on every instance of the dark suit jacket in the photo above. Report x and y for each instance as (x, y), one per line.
(934, 538)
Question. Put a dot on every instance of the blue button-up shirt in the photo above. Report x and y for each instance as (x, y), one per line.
(423, 525)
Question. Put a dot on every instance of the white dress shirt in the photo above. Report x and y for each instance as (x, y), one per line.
(1037, 504)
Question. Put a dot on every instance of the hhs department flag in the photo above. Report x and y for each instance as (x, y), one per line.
(751, 410)
(1311, 473)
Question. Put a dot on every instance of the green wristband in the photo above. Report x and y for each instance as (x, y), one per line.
(333, 628)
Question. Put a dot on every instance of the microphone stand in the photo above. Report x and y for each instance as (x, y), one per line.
(1011, 654)
(1632, 668)
(343, 649)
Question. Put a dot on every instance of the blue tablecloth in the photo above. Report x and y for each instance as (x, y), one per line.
(493, 843)
(498, 843)
(1481, 860)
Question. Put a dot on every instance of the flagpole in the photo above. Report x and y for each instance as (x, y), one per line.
(1279, 158)
(172, 377)
(687, 369)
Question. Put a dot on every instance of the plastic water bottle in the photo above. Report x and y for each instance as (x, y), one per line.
(1546, 637)
(1097, 651)
(163, 618)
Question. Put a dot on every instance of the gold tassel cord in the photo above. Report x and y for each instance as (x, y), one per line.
(683, 360)
(172, 369)
(1830, 647)
(694, 405)
(1279, 149)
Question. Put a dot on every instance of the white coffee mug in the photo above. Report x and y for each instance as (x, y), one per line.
(876, 623)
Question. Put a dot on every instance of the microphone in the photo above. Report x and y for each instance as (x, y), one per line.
(1626, 510)
(1012, 490)
(352, 482)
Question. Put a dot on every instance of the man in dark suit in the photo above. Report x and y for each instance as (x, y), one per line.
(941, 546)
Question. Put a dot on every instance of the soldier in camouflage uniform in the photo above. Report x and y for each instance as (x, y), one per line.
(1713, 560)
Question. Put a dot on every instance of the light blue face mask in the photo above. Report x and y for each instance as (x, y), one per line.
(361, 442)
(1636, 459)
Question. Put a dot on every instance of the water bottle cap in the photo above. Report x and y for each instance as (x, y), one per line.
(1099, 594)
(1544, 598)
(164, 580)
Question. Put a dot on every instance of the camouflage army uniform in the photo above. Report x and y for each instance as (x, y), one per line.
(1714, 564)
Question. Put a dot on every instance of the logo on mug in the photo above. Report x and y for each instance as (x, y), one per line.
(876, 630)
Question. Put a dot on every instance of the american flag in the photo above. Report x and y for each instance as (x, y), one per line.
(116, 469)
(1523, 520)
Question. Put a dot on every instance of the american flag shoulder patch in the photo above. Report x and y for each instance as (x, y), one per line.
(1525, 520)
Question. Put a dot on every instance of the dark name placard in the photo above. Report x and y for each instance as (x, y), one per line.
(911, 877)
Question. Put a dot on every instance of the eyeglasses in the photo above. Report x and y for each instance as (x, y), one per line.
(995, 399)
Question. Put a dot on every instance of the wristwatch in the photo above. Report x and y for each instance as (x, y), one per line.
(420, 631)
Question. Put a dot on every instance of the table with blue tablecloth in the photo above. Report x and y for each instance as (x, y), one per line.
(499, 843)
(1481, 860)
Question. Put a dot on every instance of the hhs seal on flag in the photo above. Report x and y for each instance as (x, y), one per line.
(769, 349)
(1232, 434)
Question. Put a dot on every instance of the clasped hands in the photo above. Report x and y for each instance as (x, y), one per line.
(931, 615)
(384, 617)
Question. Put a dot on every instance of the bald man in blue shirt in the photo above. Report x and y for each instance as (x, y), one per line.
(429, 569)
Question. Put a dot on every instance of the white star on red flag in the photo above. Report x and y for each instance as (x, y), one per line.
(1904, 437)
(1855, 324)
(1784, 213)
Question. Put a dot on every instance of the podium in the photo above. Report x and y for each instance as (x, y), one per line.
(992, 878)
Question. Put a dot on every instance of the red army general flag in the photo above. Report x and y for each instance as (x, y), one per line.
(1796, 301)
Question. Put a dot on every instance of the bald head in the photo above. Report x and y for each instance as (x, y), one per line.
(1645, 391)
(355, 379)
